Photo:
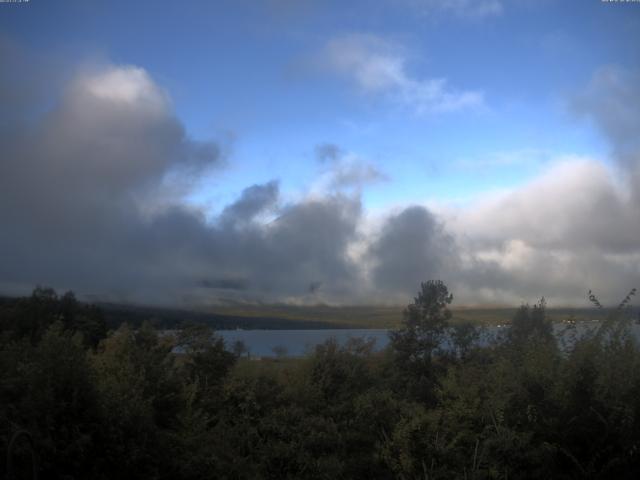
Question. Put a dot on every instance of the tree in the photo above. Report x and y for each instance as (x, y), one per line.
(30, 317)
(47, 390)
(531, 324)
(463, 337)
(424, 325)
(206, 362)
(425, 322)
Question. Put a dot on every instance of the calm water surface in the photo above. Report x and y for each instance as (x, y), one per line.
(265, 343)
(262, 343)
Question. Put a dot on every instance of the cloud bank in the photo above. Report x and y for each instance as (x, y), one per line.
(84, 205)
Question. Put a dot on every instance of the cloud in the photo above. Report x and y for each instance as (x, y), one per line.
(308, 244)
(79, 171)
(378, 67)
(410, 247)
(328, 152)
(228, 283)
(344, 171)
(577, 204)
(125, 86)
(73, 179)
(253, 201)
(611, 101)
(303, 251)
(354, 174)
(111, 134)
(574, 228)
(569, 230)
(76, 182)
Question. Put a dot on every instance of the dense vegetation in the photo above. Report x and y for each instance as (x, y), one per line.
(78, 401)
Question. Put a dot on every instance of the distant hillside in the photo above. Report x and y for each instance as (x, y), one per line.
(167, 318)
(386, 316)
(292, 317)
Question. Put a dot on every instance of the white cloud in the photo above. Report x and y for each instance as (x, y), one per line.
(571, 229)
(379, 67)
(126, 85)
(576, 202)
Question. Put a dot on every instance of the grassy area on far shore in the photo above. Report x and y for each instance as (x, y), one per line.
(388, 316)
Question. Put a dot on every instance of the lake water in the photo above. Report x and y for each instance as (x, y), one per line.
(294, 343)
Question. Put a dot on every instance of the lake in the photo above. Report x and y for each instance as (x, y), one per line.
(295, 343)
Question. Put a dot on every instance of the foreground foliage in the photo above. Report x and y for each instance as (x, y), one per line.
(132, 403)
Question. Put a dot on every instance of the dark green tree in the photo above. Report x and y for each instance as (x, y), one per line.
(531, 324)
(206, 362)
(414, 345)
(463, 337)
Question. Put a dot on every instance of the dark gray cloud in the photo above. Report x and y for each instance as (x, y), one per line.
(73, 178)
(328, 152)
(111, 135)
(309, 244)
(253, 201)
(412, 246)
(25, 83)
(229, 283)
(80, 208)
(306, 244)
(343, 171)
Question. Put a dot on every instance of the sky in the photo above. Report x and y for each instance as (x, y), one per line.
(302, 151)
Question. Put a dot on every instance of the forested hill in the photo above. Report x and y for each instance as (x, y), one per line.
(166, 318)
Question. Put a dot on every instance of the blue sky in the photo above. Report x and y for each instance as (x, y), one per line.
(252, 72)
(443, 103)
